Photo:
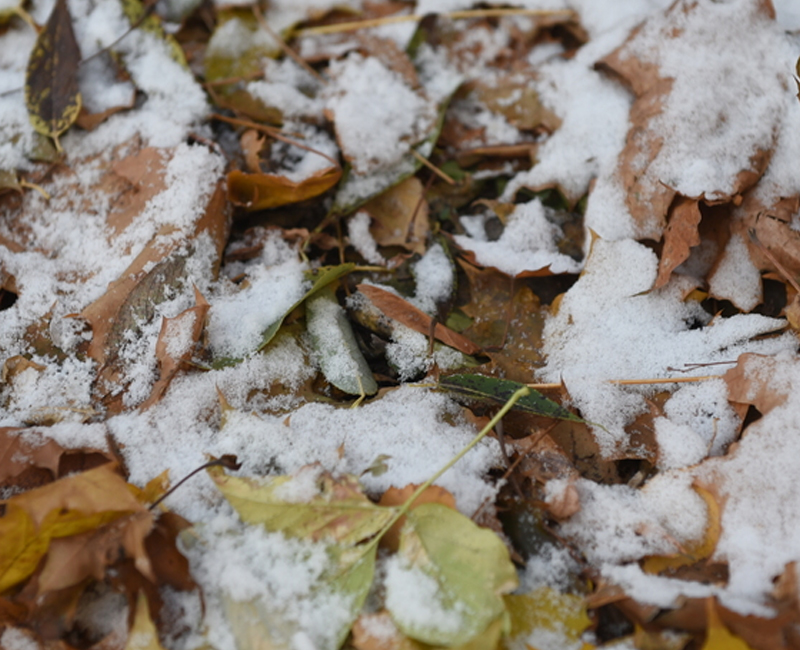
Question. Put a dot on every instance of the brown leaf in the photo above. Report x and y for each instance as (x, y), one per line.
(264, 191)
(51, 80)
(400, 216)
(252, 142)
(175, 345)
(751, 381)
(170, 566)
(397, 497)
(405, 313)
(73, 559)
(679, 236)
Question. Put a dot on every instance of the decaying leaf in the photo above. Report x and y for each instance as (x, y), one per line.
(750, 382)
(71, 507)
(336, 347)
(175, 345)
(458, 570)
(143, 634)
(311, 504)
(400, 216)
(264, 191)
(51, 80)
(407, 314)
(692, 551)
(547, 609)
(679, 236)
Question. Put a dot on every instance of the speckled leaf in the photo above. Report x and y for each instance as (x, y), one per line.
(51, 80)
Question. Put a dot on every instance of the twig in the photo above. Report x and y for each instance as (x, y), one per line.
(286, 49)
(408, 18)
(635, 382)
(272, 132)
(228, 461)
(432, 167)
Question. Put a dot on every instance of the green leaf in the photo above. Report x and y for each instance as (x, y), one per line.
(351, 580)
(134, 10)
(459, 572)
(327, 509)
(321, 278)
(51, 80)
(337, 351)
(237, 46)
(492, 389)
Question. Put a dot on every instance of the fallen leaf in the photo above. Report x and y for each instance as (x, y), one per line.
(407, 314)
(311, 504)
(693, 551)
(718, 637)
(499, 391)
(175, 345)
(51, 80)
(750, 381)
(546, 608)
(143, 634)
(69, 507)
(335, 345)
(265, 191)
(448, 565)
(679, 236)
(397, 497)
(400, 216)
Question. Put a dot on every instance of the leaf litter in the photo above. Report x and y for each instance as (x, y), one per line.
(278, 243)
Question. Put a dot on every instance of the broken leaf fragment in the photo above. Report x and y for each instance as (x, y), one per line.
(51, 80)
(143, 634)
(446, 585)
(718, 637)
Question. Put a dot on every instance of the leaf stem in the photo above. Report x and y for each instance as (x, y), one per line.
(522, 392)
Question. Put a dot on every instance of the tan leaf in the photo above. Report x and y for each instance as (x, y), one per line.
(405, 313)
(400, 216)
(679, 236)
(751, 381)
(175, 345)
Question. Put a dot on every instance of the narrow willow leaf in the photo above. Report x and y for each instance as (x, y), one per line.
(492, 389)
(321, 278)
(446, 587)
(337, 351)
(51, 80)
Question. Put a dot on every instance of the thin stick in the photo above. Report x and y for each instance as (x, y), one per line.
(635, 382)
(273, 132)
(288, 51)
(227, 461)
(407, 18)
(432, 167)
(522, 392)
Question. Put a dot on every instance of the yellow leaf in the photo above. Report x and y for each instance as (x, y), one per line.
(143, 634)
(333, 509)
(546, 608)
(718, 637)
(263, 191)
(694, 551)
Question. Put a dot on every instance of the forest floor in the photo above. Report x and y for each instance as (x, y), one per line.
(468, 327)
